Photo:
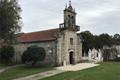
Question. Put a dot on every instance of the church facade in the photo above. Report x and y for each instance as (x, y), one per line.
(62, 45)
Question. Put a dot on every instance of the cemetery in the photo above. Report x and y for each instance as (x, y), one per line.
(64, 52)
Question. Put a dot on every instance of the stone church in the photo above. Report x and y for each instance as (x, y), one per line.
(62, 45)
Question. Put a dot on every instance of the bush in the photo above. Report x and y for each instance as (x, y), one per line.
(6, 53)
(33, 54)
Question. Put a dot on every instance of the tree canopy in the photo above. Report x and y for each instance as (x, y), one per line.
(9, 20)
(88, 40)
(6, 54)
(98, 41)
(33, 54)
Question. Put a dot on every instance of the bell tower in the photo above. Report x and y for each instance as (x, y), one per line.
(69, 18)
(69, 47)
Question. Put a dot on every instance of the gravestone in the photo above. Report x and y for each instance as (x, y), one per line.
(95, 55)
(89, 55)
(100, 58)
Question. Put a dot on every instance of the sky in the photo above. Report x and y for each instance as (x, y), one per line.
(97, 16)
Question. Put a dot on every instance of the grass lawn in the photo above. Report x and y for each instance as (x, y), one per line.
(3, 66)
(106, 71)
(21, 71)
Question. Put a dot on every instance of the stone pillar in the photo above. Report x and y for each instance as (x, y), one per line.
(100, 58)
(90, 55)
(64, 63)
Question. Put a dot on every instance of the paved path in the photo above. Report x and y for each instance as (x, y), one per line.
(77, 67)
(4, 69)
(41, 75)
(58, 70)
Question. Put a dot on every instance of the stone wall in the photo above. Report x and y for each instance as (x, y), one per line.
(49, 47)
(111, 53)
(79, 49)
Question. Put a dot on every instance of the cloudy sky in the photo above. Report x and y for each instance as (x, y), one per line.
(98, 16)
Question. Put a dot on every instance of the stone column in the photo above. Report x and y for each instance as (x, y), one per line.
(100, 55)
(90, 55)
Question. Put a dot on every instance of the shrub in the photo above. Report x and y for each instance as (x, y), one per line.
(33, 54)
(6, 53)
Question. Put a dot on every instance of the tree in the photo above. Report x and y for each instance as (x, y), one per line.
(116, 39)
(87, 40)
(90, 41)
(105, 40)
(6, 53)
(9, 20)
(33, 54)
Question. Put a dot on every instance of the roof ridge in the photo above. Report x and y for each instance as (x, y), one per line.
(41, 31)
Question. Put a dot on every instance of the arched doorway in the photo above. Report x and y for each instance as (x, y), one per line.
(71, 58)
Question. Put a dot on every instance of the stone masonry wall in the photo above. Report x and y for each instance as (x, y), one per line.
(49, 47)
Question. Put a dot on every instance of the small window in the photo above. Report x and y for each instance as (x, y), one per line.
(71, 41)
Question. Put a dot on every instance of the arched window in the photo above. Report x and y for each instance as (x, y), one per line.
(73, 21)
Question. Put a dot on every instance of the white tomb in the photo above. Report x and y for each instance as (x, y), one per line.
(95, 55)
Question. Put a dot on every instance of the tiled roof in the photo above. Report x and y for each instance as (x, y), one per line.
(38, 36)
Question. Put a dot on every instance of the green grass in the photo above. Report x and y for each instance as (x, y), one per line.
(3, 66)
(21, 71)
(106, 71)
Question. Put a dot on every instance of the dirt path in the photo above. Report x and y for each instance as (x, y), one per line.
(41, 75)
(4, 69)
